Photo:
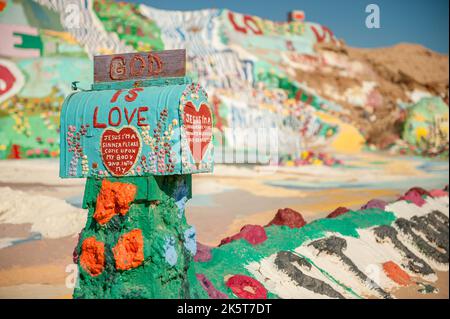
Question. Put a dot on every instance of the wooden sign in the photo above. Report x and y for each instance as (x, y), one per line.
(139, 65)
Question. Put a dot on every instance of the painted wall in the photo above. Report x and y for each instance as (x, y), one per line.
(240, 60)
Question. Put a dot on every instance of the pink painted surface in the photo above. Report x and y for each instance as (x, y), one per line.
(10, 40)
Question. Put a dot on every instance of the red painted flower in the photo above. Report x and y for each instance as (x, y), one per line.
(246, 287)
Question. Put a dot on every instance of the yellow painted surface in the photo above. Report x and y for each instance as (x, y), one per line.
(421, 132)
(348, 139)
(65, 36)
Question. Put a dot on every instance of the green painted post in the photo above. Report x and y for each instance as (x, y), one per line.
(165, 269)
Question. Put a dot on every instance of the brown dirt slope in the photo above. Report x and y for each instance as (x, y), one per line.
(408, 64)
(397, 70)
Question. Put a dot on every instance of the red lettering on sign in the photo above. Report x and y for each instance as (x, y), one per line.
(137, 66)
(325, 32)
(132, 94)
(120, 150)
(117, 68)
(130, 97)
(116, 96)
(154, 59)
(252, 25)
(115, 116)
(119, 117)
(96, 124)
(141, 118)
(249, 24)
(129, 119)
(235, 25)
(140, 70)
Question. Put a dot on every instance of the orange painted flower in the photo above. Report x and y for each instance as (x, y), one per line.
(114, 198)
(92, 257)
(129, 251)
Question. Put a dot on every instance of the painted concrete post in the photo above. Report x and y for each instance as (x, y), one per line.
(137, 136)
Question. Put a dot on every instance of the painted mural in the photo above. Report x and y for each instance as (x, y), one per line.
(275, 74)
(44, 51)
(371, 252)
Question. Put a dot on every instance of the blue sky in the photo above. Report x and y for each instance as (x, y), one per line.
(419, 21)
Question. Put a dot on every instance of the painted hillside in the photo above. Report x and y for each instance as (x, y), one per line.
(382, 250)
(297, 77)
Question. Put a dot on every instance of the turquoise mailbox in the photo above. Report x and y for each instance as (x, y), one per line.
(137, 136)
(159, 126)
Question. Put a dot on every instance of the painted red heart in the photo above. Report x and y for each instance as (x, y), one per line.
(120, 150)
(198, 127)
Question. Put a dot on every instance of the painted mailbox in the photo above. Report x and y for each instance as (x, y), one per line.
(161, 129)
(137, 136)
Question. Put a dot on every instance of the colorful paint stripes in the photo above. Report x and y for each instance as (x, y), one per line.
(368, 253)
